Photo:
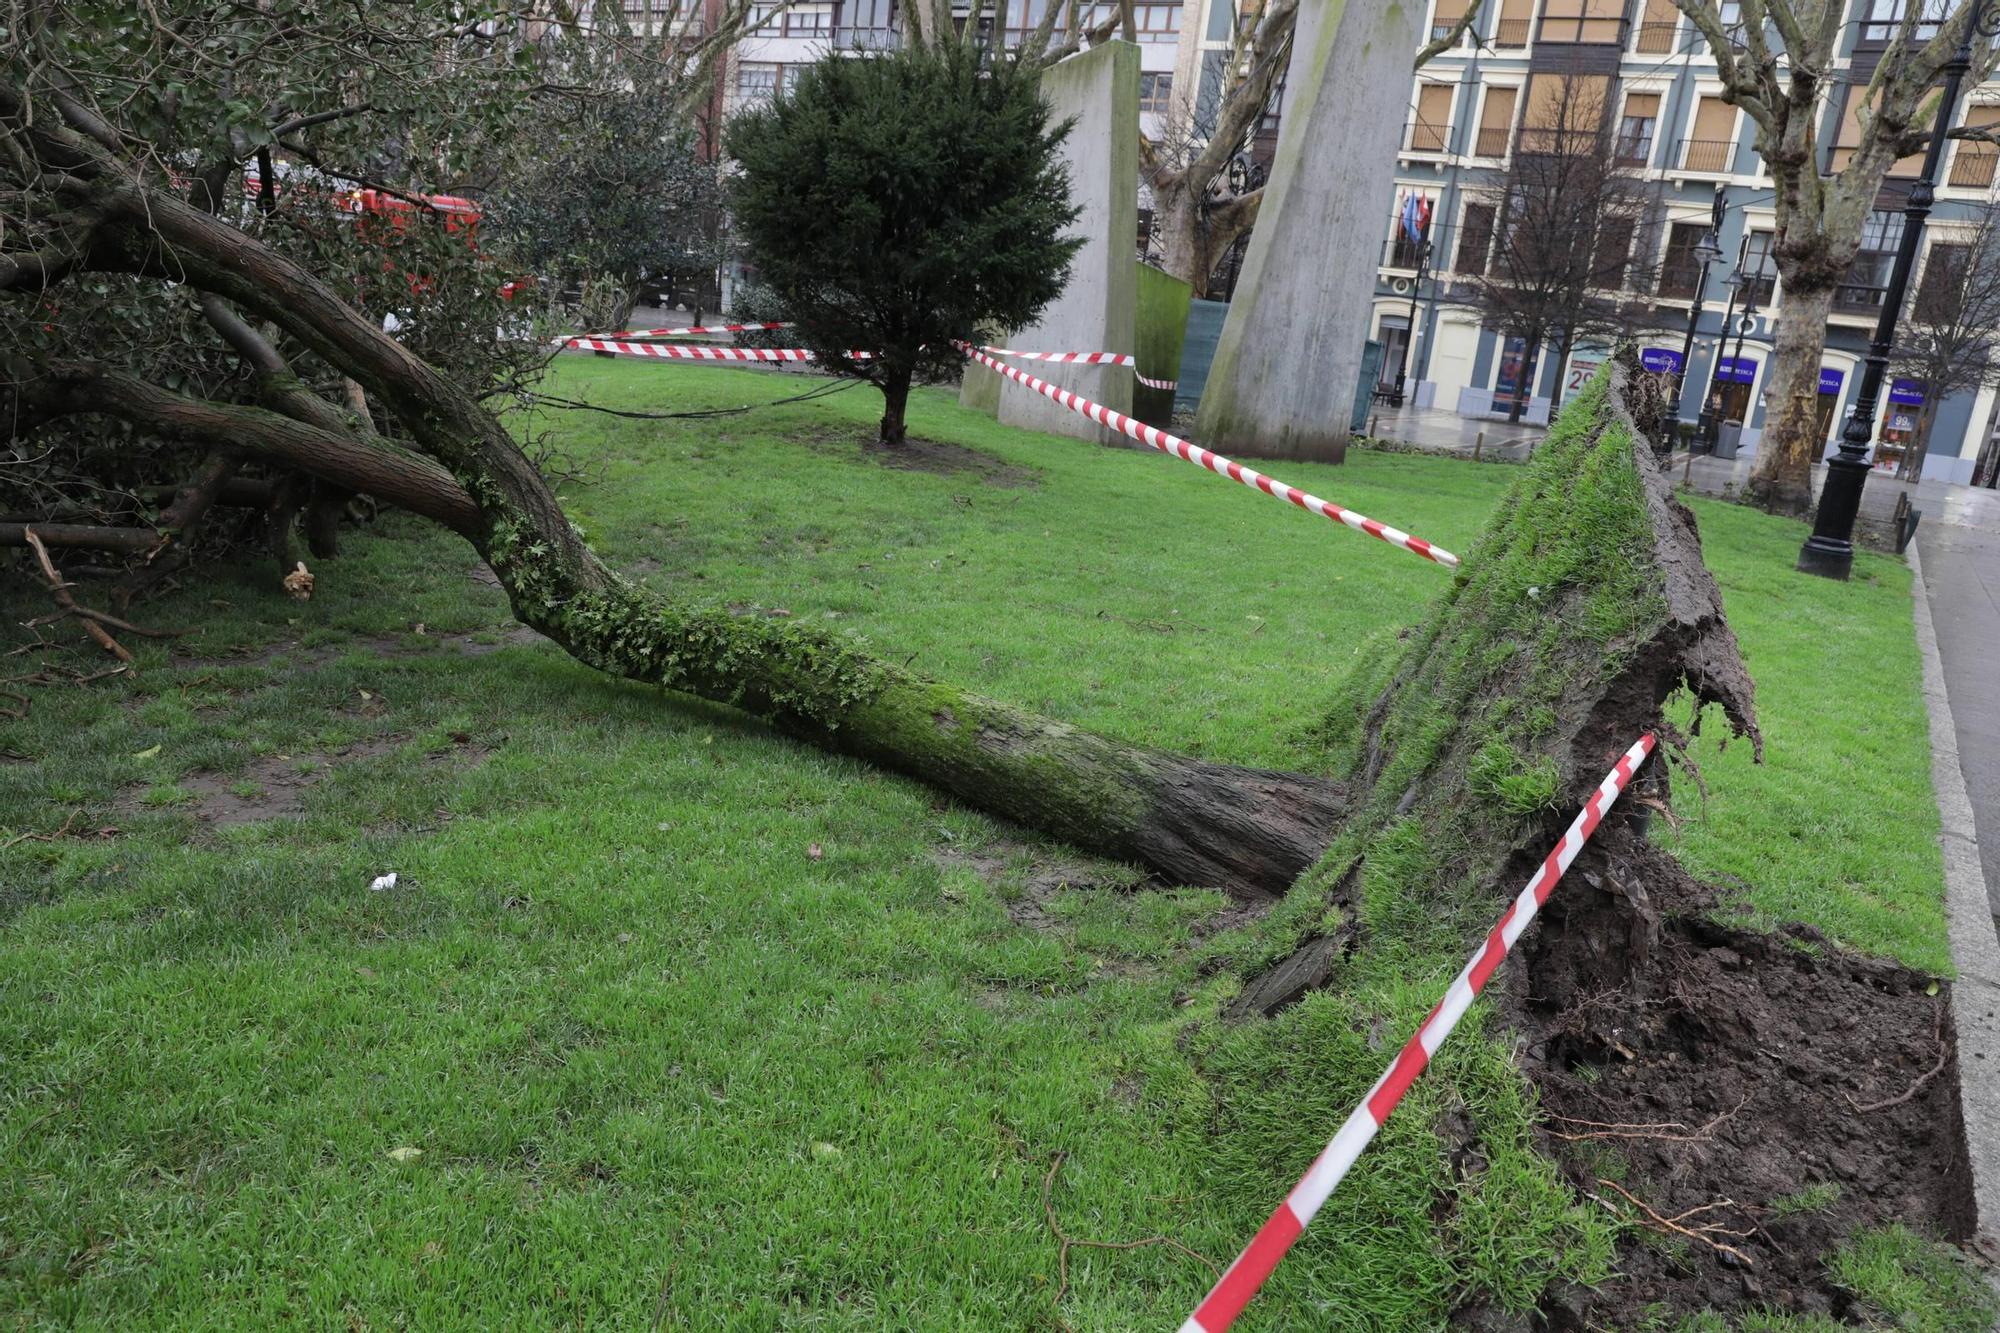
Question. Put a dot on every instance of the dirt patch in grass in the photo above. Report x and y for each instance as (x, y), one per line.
(935, 456)
(1028, 894)
(1749, 1088)
(272, 786)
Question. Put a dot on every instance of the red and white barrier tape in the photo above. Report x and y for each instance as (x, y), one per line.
(1237, 1285)
(1088, 359)
(1216, 463)
(692, 330)
(1082, 358)
(675, 351)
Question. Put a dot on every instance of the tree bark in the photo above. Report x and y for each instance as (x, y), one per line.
(895, 386)
(1791, 444)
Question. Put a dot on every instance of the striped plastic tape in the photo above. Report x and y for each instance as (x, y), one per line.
(1216, 463)
(1242, 1279)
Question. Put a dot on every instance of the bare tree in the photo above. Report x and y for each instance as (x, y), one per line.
(1775, 63)
(1206, 189)
(1563, 262)
(1951, 336)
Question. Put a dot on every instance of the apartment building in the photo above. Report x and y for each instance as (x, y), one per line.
(1468, 109)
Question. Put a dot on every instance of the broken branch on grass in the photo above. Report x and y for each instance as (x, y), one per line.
(1705, 1233)
(62, 832)
(106, 618)
(60, 591)
(1067, 1240)
(1923, 1080)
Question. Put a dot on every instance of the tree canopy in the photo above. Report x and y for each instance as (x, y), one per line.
(898, 203)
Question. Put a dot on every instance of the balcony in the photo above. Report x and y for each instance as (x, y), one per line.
(1402, 251)
(1511, 34)
(1491, 143)
(1634, 150)
(1709, 155)
(1421, 136)
(1583, 31)
(872, 39)
(1657, 39)
(1972, 166)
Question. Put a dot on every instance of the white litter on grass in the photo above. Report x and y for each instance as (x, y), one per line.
(382, 882)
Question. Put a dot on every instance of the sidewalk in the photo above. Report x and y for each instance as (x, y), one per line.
(1436, 430)
(1959, 542)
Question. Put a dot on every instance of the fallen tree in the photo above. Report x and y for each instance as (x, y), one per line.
(1189, 820)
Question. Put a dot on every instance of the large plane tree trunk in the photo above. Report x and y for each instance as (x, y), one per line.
(1792, 442)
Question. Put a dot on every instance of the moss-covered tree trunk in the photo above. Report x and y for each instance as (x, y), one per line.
(1585, 604)
(1581, 610)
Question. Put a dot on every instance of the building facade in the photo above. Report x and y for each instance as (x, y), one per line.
(1469, 111)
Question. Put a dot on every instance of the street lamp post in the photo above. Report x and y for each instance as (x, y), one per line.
(1829, 552)
(1410, 338)
(1707, 251)
(1705, 428)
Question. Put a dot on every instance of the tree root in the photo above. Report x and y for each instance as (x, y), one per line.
(1705, 1232)
(1923, 1079)
(1669, 1131)
(1067, 1241)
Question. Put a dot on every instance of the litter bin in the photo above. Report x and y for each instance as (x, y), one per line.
(1727, 437)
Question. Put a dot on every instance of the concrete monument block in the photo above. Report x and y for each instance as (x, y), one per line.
(1283, 380)
(1096, 311)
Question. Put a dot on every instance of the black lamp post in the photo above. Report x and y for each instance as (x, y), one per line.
(1829, 552)
(1706, 426)
(1707, 251)
(1410, 337)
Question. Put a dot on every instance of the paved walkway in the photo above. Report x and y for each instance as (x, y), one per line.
(1960, 545)
(1437, 430)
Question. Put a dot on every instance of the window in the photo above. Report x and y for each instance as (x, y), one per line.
(1403, 251)
(1712, 144)
(1885, 19)
(1158, 23)
(1760, 270)
(1565, 112)
(1863, 289)
(1594, 21)
(1939, 293)
(790, 75)
(1658, 21)
(1848, 137)
(1911, 167)
(756, 79)
(1447, 16)
(1496, 119)
(1516, 17)
(1611, 253)
(1431, 133)
(1475, 240)
(761, 13)
(1156, 91)
(1680, 271)
(1635, 128)
(809, 21)
(1971, 162)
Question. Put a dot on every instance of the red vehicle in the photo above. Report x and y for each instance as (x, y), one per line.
(385, 216)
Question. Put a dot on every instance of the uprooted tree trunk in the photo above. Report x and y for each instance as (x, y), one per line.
(1582, 609)
(1579, 612)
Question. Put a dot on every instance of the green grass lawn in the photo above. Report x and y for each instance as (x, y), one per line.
(663, 1064)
